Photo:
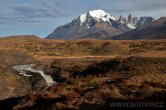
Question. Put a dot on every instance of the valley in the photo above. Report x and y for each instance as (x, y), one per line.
(80, 74)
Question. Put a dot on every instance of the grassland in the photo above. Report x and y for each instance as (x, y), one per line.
(91, 73)
(42, 49)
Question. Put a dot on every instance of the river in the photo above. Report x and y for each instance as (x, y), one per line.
(22, 69)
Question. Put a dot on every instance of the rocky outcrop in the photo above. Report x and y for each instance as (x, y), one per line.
(37, 78)
(154, 30)
(15, 87)
(144, 21)
(135, 20)
(132, 21)
(12, 85)
(37, 82)
(122, 19)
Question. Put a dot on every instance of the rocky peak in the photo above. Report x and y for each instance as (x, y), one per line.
(135, 20)
(122, 19)
(145, 20)
(132, 21)
(129, 21)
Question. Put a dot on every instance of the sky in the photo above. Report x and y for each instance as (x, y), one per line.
(41, 17)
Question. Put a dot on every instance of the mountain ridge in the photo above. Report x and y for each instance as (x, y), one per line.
(154, 30)
(97, 24)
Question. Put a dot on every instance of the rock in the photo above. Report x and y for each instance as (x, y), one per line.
(132, 21)
(37, 82)
(146, 29)
(144, 21)
(130, 18)
(12, 85)
(135, 20)
(122, 19)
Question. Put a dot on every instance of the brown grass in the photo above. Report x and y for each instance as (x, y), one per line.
(94, 72)
(49, 49)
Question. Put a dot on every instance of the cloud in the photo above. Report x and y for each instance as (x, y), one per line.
(141, 5)
(44, 10)
(36, 12)
(11, 12)
(128, 6)
(1, 1)
(136, 7)
(43, 16)
(39, 11)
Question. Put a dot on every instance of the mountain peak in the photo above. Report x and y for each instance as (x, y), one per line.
(132, 21)
(98, 15)
(122, 19)
(95, 24)
(145, 20)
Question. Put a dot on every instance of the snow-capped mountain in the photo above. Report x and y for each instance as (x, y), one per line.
(97, 16)
(92, 17)
(94, 24)
(153, 30)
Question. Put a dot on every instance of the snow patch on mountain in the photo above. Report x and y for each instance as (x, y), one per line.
(101, 14)
(98, 15)
(106, 20)
(131, 26)
(83, 19)
(122, 22)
